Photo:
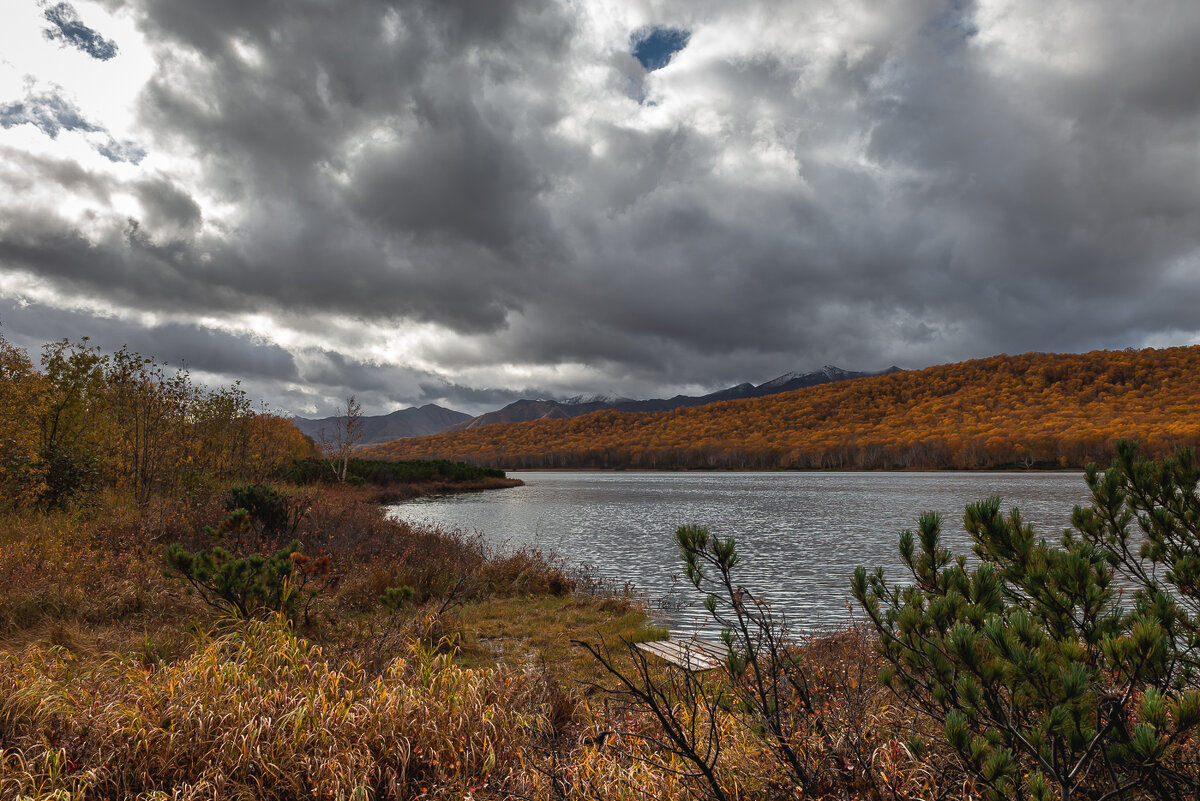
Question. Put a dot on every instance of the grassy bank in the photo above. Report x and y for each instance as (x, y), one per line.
(99, 643)
(116, 682)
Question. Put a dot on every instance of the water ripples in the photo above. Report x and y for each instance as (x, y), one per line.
(799, 535)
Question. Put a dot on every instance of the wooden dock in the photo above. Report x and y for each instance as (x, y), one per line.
(690, 654)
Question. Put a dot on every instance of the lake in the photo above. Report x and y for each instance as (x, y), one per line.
(799, 535)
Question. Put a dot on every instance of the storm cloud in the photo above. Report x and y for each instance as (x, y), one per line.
(467, 201)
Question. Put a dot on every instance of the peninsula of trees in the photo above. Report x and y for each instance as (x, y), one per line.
(1034, 410)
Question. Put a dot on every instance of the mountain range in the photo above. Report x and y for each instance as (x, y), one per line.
(433, 419)
(1034, 410)
(415, 422)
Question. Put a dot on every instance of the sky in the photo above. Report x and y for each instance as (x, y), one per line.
(464, 202)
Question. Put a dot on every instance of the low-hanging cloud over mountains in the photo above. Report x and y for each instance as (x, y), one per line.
(467, 201)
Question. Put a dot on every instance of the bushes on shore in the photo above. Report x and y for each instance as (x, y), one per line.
(386, 474)
(88, 423)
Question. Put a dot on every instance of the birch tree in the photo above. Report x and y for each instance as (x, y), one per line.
(339, 444)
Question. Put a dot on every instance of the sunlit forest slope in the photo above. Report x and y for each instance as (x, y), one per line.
(1033, 410)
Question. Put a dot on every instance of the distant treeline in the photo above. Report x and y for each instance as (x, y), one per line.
(1030, 411)
(383, 473)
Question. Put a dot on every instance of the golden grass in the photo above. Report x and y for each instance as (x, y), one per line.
(537, 631)
(258, 714)
(108, 691)
(68, 568)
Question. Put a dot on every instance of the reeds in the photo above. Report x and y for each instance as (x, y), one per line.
(258, 713)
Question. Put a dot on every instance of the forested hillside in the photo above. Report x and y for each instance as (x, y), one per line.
(1033, 410)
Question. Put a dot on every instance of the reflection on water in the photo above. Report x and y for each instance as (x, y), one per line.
(799, 535)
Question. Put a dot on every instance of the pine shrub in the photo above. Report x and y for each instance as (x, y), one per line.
(1057, 669)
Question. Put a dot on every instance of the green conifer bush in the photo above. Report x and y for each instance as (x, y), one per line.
(267, 506)
(254, 587)
(1057, 670)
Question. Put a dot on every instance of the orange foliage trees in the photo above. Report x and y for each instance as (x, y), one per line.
(89, 421)
(1044, 410)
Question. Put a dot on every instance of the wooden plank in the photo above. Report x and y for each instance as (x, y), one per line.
(691, 654)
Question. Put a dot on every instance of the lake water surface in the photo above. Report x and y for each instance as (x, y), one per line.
(799, 535)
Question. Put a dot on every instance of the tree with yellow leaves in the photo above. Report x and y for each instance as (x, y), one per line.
(22, 401)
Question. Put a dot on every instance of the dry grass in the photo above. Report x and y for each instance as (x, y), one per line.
(108, 691)
(67, 570)
(259, 714)
(100, 572)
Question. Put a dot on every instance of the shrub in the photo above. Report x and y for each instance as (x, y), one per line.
(67, 475)
(267, 506)
(381, 473)
(800, 702)
(1044, 684)
(256, 586)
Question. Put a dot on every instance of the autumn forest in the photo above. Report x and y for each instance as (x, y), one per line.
(88, 423)
(1029, 411)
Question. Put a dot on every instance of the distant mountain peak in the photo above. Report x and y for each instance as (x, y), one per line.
(780, 381)
(430, 419)
(411, 422)
(829, 372)
(580, 400)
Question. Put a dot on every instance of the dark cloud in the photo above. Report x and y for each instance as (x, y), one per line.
(309, 381)
(806, 183)
(198, 348)
(166, 205)
(380, 157)
(456, 177)
(69, 29)
(22, 173)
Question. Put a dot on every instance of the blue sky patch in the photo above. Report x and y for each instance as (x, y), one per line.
(653, 47)
(124, 150)
(69, 29)
(49, 112)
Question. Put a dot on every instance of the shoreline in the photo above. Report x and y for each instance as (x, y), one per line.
(428, 489)
(689, 470)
